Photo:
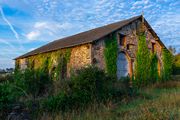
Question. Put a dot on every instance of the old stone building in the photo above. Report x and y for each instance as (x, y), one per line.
(87, 48)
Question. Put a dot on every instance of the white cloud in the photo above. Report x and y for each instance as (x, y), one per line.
(42, 29)
(31, 49)
(6, 43)
(141, 4)
(148, 6)
(40, 24)
(33, 35)
(168, 29)
(51, 26)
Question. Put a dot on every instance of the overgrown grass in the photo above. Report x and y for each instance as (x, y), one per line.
(157, 102)
(90, 94)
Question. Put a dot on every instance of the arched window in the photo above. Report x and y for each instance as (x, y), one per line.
(122, 65)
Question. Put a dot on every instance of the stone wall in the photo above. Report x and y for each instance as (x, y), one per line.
(131, 39)
(157, 47)
(129, 48)
(23, 64)
(98, 53)
(80, 57)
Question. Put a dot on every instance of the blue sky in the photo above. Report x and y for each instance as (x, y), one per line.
(28, 24)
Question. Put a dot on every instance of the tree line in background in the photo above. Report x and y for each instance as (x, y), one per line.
(7, 70)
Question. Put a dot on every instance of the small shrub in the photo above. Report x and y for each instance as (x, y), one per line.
(123, 88)
(33, 82)
(87, 85)
(91, 82)
(6, 95)
(56, 103)
(61, 85)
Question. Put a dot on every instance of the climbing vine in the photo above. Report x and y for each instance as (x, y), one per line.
(154, 68)
(61, 69)
(17, 66)
(54, 62)
(110, 54)
(142, 66)
(167, 59)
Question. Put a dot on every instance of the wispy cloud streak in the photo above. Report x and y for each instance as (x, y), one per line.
(7, 43)
(10, 25)
(16, 35)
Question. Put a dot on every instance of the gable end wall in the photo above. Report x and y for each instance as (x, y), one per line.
(130, 31)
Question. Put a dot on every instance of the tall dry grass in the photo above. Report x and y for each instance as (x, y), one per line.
(160, 102)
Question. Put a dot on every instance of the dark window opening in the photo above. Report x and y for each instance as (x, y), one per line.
(94, 60)
(63, 68)
(122, 39)
(153, 47)
(128, 47)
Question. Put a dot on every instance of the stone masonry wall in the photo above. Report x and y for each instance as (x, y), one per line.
(131, 39)
(98, 53)
(129, 47)
(80, 57)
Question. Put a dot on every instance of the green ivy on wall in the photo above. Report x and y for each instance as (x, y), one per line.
(146, 65)
(17, 66)
(63, 59)
(154, 76)
(110, 53)
(167, 59)
(142, 63)
(45, 62)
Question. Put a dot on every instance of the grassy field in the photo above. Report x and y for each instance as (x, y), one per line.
(158, 102)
